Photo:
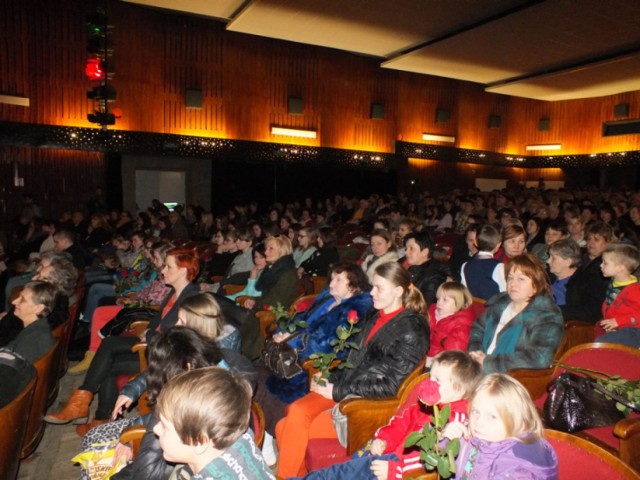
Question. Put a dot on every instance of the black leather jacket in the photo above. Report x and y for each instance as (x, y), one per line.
(380, 366)
(428, 277)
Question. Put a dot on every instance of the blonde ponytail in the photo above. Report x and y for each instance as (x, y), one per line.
(414, 300)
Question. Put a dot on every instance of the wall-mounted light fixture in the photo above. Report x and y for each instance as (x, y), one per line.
(13, 100)
(438, 138)
(548, 146)
(294, 132)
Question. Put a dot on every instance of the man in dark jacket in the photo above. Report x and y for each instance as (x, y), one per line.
(426, 273)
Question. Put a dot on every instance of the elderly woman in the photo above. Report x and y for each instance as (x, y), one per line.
(114, 356)
(383, 250)
(32, 307)
(392, 341)
(58, 270)
(348, 292)
(278, 284)
(63, 275)
(522, 327)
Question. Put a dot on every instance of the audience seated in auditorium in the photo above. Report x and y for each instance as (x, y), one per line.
(393, 339)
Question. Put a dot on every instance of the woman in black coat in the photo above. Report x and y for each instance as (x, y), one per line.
(393, 340)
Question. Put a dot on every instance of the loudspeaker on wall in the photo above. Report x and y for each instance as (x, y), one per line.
(377, 111)
(442, 115)
(544, 125)
(193, 98)
(621, 110)
(295, 106)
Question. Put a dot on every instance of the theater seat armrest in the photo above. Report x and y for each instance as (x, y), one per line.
(267, 321)
(137, 327)
(627, 428)
(364, 417)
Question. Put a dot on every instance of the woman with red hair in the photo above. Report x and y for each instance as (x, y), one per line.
(114, 356)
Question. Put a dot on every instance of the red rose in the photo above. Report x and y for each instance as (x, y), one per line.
(352, 317)
(267, 307)
(429, 392)
(136, 273)
(125, 273)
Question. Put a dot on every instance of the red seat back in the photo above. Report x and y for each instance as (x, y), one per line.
(580, 459)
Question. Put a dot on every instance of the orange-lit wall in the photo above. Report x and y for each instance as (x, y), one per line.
(246, 81)
(443, 177)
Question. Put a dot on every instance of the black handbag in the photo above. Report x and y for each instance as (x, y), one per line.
(281, 358)
(576, 403)
(123, 318)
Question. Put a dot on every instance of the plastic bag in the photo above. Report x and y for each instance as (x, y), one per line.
(103, 461)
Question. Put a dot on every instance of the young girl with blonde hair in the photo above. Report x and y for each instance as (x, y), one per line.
(504, 438)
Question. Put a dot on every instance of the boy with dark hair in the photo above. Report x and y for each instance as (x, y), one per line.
(483, 275)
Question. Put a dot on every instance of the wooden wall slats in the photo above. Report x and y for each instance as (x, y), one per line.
(443, 177)
(246, 81)
(59, 179)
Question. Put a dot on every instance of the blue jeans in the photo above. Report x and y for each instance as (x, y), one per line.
(95, 293)
(355, 469)
(629, 336)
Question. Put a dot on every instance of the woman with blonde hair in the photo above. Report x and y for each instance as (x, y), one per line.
(203, 313)
(278, 284)
(306, 245)
(392, 341)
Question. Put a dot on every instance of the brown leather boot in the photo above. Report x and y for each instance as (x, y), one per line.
(76, 409)
(83, 429)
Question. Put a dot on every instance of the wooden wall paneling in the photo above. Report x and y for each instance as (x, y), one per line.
(60, 179)
(442, 177)
(14, 68)
(418, 98)
(246, 81)
(474, 109)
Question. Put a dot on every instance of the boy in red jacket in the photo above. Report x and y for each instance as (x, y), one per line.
(453, 378)
(621, 307)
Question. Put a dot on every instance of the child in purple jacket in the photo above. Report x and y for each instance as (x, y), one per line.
(504, 438)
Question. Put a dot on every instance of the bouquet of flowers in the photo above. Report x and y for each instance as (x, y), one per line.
(125, 280)
(432, 454)
(285, 323)
(324, 362)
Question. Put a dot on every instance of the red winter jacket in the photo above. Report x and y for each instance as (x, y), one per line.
(411, 417)
(450, 333)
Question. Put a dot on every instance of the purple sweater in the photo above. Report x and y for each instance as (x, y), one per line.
(509, 458)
